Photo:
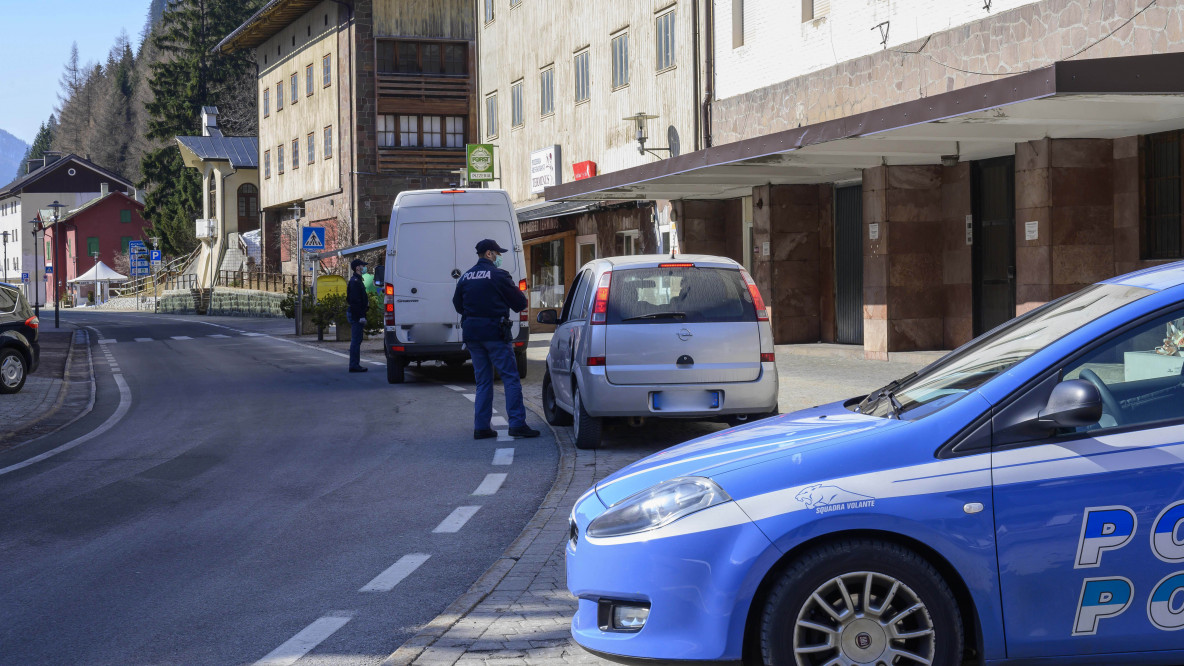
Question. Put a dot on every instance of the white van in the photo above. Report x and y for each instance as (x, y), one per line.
(433, 240)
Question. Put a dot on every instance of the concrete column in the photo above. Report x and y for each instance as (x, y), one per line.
(1127, 230)
(788, 217)
(957, 257)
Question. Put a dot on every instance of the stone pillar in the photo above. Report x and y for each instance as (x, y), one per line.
(1033, 203)
(1127, 232)
(957, 257)
(788, 218)
(903, 264)
(711, 227)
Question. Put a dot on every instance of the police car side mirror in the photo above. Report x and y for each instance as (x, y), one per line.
(547, 317)
(1073, 403)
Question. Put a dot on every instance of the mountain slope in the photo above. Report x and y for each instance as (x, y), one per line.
(12, 151)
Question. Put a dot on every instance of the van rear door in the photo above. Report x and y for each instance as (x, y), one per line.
(424, 262)
(481, 215)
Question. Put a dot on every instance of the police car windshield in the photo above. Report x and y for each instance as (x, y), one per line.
(997, 351)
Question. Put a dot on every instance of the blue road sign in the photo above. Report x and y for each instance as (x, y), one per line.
(155, 256)
(136, 244)
(312, 238)
(49, 270)
(25, 278)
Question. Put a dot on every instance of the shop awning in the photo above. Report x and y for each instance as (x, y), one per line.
(546, 209)
(1100, 98)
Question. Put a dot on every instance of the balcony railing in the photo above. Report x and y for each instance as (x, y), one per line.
(271, 282)
(430, 159)
(433, 88)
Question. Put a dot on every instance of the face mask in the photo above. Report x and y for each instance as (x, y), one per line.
(497, 261)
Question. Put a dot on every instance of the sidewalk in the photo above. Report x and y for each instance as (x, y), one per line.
(58, 393)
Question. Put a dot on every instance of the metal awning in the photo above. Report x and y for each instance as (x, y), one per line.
(346, 251)
(1101, 98)
(545, 209)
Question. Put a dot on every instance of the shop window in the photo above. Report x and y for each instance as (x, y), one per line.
(546, 275)
(1163, 196)
(620, 48)
(583, 89)
(516, 119)
(547, 91)
(491, 116)
(628, 243)
(664, 41)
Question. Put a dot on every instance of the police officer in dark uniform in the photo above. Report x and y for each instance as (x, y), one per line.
(359, 303)
(484, 296)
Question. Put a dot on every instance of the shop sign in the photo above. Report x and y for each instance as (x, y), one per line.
(544, 169)
(479, 161)
(586, 169)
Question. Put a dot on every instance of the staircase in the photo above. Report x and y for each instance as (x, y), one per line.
(234, 259)
(201, 300)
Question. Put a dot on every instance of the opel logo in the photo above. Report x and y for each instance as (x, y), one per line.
(685, 335)
(864, 641)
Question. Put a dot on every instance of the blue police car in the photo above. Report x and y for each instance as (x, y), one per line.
(1020, 500)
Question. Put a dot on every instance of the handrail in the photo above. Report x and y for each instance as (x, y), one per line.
(258, 281)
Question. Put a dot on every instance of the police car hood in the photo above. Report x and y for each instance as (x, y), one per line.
(811, 429)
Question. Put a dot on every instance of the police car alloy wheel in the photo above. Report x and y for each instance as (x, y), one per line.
(861, 602)
(12, 371)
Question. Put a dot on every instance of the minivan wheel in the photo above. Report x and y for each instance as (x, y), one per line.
(587, 428)
(12, 370)
(395, 369)
(553, 412)
(861, 601)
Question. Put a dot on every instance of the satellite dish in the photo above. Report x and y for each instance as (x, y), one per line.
(672, 141)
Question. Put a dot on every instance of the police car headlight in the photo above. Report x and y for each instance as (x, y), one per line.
(657, 506)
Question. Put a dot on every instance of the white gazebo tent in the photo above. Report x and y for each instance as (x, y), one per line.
(100, 274)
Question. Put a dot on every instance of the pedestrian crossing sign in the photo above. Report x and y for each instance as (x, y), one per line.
(312, 238)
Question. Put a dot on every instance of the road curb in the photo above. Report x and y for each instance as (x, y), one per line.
(73, 374)
(415, 646)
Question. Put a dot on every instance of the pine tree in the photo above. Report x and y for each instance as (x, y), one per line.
(42, 143)
(109, 142)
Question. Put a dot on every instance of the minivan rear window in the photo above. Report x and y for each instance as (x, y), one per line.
(678, 294)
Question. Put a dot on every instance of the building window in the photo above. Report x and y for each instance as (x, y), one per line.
(295, 82)
(125, 216)
(327, 71)
(279, 158)
(386, 131)
(431, 58)
(628, 243)
(737, 23)
(92, 246)
(547, 91)
(279, 96)
(620, 46)
(267, 164)
(491, 116)
(432, 131)
(295, 153)
(308, 80)
(266, 102)
(515, 3)
(434, 58)
(328, 151)
(454, 132)
(1163, 195)
(408, 131)
(664, 41)
(311, 148)
(516, 119)
(583, 91)
(456, 59)
(812, 9)
(488, 10)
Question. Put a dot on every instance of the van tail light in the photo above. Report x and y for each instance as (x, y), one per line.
(452, 191)
(389, 304)
(768, 358)
(524, 316)
(595, 361)
(761, 313)
(600, 305)
(33, 322)
(522, 285)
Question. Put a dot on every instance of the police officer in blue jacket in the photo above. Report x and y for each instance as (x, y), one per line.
(484, 296)
(358, 303)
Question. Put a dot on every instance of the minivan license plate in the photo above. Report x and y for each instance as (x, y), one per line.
(684, 401)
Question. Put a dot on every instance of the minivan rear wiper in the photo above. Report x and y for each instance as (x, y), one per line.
(658, 315)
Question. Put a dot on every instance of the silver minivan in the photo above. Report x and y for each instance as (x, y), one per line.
(655, 336)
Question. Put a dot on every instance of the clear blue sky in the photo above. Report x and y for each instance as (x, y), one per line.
(36, 43)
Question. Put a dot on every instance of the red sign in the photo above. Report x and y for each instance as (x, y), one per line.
(584, 169)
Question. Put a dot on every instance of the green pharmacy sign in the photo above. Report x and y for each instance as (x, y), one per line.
(479, 161)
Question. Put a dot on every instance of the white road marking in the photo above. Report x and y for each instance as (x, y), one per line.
(499, 421)
(218, 335)
(490, 485)
(144, 340)
(504, 436)
(447, 386)
(125, 403)
(387, 580)
(308, 638)
(471, 397)
(503, 457)
(456, 520)
(182, 337)
(255, 335)
(106, 341)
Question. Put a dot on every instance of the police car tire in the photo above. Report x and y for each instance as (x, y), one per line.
(815, 568)
(587, 432)
(395, 370)
(552, 411)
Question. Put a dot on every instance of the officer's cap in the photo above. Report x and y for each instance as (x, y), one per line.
(487, 245)
(353, 265)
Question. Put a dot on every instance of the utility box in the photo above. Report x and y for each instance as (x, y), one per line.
(205, 229)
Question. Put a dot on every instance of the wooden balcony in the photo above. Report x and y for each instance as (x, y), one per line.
(424, 94)
(420, 160)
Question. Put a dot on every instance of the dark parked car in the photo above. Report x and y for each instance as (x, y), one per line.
(19, 351)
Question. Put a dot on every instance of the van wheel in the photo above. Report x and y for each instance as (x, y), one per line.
(454, 362)
(13, 370)
(861, 602)
(520, 359)
(587, 428)
(395, 369)
(553, 412)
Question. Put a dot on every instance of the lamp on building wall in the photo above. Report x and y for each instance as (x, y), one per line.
(641, 122)
(57, 275)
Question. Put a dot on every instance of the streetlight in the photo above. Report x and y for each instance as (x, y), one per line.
(36, 301)
(95, 255)
(57, 274)
(4, 236)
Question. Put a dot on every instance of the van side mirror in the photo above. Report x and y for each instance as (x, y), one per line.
(379, 275)
(1073, 403)
(547, 317)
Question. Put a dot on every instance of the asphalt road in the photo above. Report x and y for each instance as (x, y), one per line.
(245, 498)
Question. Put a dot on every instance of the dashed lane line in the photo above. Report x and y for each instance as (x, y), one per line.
(145, 340)
(471, 397)
(458, 389)
(499, 421)
(456, 520)
(182, 337)
(107, 341)
(503, 457)
(491, 484)
(387, 580)
(308, 638)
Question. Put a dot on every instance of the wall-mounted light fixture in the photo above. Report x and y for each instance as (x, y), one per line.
(641, 123)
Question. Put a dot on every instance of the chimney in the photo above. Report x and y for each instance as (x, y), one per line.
(35, 165)
(209, 121)
(138, 195)
(103, 190)
(52, 156)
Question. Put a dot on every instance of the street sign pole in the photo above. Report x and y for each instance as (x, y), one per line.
(300, 284)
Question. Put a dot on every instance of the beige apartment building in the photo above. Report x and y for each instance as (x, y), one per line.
(357, 102)
(558, 80)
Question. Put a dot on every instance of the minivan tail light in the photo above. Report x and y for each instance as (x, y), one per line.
(682, 265)
(761, 313)
(452, 191)
(522, 285)
(33, 322)
(600, 305)
(389, 304)
(595, 361)
(768, 358)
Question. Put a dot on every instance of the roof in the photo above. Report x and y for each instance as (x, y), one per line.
(546, 209)
(95, 202)
(1098, 98)
(241, 151)
(270, 19)
(30, 178)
